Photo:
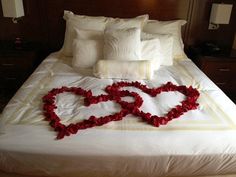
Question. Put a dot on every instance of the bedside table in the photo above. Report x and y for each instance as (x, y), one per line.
(15, 67)
(221, 70)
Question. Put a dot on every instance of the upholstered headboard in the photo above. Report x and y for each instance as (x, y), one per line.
(157, 9)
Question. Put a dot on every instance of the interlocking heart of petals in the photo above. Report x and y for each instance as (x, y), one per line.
(114, 93)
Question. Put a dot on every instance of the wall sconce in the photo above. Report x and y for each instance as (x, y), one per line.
(13, 9)
(220, 14)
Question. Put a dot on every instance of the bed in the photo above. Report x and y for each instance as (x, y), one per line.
(201, 142)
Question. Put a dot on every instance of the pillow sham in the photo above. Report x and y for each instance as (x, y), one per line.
(166, 46)
(107, 69)
(122, 44)
(122, 23)
(86, 22)
(79, 22)
(169, 27)
(89, 34)
(87, 48)
(86, 52)
(151, 50)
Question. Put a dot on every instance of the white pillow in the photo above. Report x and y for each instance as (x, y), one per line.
(122, 23)
(86, 22)
(169, 27)
(79, 22)
(151, 50)
(166, 44)
(106, 69)
(86, 52)
(122, 44)
(89, 34)
(87, 48)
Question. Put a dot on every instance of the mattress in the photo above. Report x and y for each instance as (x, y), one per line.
(201, 142)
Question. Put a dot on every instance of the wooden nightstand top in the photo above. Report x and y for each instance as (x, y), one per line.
(221, 58)
(26, 47)
(199, 57)
(30, 50)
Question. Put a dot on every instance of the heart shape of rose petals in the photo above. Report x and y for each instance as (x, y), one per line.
(186, 105)
(115, 94)
(63, 130)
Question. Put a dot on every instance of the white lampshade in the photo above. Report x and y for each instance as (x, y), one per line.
(220, 13)
(12, 8)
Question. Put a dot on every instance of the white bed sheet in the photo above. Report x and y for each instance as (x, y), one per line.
(201, 142)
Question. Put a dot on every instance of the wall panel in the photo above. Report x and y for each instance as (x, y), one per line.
(200, 20)
(43, 18)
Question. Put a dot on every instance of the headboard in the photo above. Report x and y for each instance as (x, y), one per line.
(43, 21)
(157, 9)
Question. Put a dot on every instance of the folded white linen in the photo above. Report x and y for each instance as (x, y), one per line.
(141, 69)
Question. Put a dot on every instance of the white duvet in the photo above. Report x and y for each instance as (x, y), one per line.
(201, 142)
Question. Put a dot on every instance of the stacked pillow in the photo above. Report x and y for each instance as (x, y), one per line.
(87, 48)
(169, 27)
(79, 22)
(122, 44)
(162, 52)
(128, 43)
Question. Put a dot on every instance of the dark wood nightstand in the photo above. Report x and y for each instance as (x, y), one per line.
(15, 67)
(221, 69)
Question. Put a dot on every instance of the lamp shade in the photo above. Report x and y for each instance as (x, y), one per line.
(220, 13)
(12, 8)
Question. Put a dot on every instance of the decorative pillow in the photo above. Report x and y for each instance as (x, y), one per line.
(122, 44)
(87, 48)
(86, 52)
(89, 34)
(166, 45)
(124, 69)
(122, 23)
(169, 27)
(151, 50)
(79, 22)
